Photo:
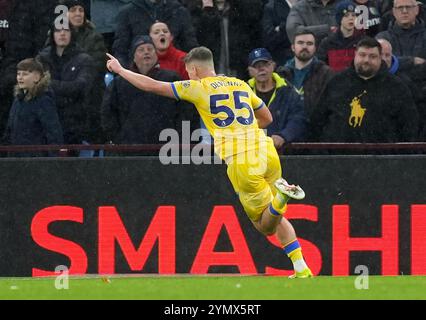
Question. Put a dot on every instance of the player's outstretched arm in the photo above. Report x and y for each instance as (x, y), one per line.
(264, 117)
(139, 80)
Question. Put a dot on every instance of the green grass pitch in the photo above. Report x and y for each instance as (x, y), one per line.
(214, 288)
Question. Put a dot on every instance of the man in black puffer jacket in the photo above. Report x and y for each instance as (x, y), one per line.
(72, 74)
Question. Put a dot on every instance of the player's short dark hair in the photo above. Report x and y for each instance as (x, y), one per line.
(202, 54)
(30, 65)
(303, 32)
(368, 42)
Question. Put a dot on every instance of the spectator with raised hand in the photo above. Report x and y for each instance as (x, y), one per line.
(308, 74)
(33, 119)
(275, 36)
(338, 49)
(169, 57)
(365, 103)
(317, 16)
(407, 34)
(72, 73)
(230, 29)
(137, 17)
(132, 116)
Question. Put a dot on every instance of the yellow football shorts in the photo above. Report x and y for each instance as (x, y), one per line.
(252, 175)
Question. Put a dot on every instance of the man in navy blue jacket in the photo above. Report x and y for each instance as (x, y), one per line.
(285, 104)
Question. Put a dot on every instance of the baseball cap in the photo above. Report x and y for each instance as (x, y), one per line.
(259, 54)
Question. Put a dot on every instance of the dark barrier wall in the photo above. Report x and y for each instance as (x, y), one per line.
(135, 215)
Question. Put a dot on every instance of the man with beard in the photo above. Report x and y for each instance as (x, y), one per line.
(365, 103)
(308, 74)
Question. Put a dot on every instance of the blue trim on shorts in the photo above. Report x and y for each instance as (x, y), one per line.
(273, 211)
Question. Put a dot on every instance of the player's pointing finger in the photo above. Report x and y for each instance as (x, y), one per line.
(110, 56)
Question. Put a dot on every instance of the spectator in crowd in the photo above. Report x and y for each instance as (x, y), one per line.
(92, 43)
(387, 12)
(72, 73)
(406, 74)
(318, 16)
(366, 103)
(283, 101)
(28, 26)
(338, 49)
(308, 74)
(371, 11)
(137, 17)
(230, 28)
(407, 34)
(85, 34)
(103, 14)
(275, 37)
(132, 116)
(169, 57)
(33, 119)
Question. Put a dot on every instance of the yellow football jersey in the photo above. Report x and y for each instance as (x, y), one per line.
(226, 106)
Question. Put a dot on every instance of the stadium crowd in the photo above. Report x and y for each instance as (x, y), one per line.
(329, 70)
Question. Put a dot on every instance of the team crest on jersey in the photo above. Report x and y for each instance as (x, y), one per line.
(186, 84)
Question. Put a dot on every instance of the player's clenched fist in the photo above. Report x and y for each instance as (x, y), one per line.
(113, 64)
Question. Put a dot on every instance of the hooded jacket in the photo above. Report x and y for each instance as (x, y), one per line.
(378, 110)
(137, 17)
(33, 118)
(286, 107)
